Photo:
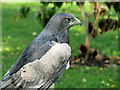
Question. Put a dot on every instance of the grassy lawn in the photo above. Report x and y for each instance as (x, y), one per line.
(15, 37)
(89, 77)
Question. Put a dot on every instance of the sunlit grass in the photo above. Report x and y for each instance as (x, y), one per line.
(93, 77)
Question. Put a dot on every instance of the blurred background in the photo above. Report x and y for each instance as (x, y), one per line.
(94, 61)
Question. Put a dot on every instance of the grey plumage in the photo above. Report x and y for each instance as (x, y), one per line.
(43, 61)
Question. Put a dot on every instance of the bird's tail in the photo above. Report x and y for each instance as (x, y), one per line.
(5, 84)
(12, 81)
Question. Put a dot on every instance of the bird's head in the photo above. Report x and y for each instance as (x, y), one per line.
(63, 20)
(69, 20)
(59, 25)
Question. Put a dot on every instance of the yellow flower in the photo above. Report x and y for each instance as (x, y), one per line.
(67, 76)
(84, 80)
(103, 81)
(7, 49)
(110, 80)
(9, 37)
(6, 42)
(77, 34)
(87, 68)
(18, 48)
(112, 85)
(34, 33)
(108, 84)
(79, 29)
(116, 37)
(12, 53)
(101, 68)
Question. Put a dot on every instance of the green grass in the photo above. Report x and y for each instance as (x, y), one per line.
(89, 77)
(21, 36)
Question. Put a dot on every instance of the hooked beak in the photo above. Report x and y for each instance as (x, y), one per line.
(75, 22)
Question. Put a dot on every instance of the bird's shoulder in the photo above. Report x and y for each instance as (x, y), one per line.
(35, 50)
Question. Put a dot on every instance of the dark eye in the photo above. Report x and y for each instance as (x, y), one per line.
(68, 19)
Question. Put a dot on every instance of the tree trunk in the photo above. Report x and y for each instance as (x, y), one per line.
(86, 20)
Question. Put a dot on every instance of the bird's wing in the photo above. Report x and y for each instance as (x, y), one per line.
(35, 50)
(41, 73)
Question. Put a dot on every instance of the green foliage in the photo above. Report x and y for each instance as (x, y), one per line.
(97, 10)
(45, 12)
(42, 15)
(107, 24)
(22, 13)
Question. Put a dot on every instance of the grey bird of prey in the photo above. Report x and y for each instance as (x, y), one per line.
(44, 60)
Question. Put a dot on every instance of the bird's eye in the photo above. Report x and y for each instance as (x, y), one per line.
(68, 19)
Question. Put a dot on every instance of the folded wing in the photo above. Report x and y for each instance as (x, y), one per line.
(41, 73)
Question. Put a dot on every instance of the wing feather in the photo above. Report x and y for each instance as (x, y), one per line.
(41, 73)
